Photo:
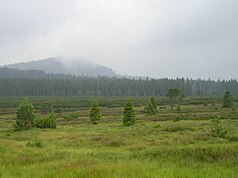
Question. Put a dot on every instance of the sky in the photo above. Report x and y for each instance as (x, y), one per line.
(157, 38)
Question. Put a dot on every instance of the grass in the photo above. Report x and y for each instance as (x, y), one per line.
(155, 147)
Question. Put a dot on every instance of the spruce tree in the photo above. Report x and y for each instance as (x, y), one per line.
(151, 108)
(153, 102)
(25, 115)
(228, 101)
(95, 112)
(128, 114)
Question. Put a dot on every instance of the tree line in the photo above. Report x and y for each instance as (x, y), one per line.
(26, 117)
(15, 82)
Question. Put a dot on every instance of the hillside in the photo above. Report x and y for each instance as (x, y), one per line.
(56, 66)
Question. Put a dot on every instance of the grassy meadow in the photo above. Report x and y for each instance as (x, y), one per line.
(157, 146)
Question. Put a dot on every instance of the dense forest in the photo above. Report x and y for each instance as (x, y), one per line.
(15, 82)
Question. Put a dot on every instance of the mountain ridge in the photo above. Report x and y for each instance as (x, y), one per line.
(55, 65)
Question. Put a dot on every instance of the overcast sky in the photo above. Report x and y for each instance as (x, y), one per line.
(158, 38)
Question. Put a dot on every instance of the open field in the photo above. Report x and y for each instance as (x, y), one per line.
(155, 147)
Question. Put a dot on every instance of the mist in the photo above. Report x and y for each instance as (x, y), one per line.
(157, 38)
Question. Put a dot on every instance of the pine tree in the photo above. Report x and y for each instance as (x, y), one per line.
(153, 102)
(95, 112)
(25, 115)
(228, 101)
(128, 114)
(151, 108)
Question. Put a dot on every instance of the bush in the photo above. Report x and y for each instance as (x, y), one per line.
(216, 128)
(49, 122)
(25, 115)
(157, 126)
(74, 115)
(40, 122)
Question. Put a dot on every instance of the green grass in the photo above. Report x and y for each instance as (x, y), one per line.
(78, 148)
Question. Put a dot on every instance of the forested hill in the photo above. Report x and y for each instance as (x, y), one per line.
(38, 83)
(56, 66)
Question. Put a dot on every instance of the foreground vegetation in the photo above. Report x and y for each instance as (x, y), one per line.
(168, 144)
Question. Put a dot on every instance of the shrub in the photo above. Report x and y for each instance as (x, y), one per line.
(217, 128)
(25, 115)
(74, 115)
(40, 122)
(49, 122)
(157, 126)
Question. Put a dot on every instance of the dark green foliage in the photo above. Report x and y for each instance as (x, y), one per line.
(49, 122)
(95, 112)
(38, 83)
(151, 107)
(25, 115)
(128, 114)
(217, 129)
(157, 126)
(228, 101)
(153, 102)
(40, 122)
(172, 95)
(36, 143)
(46, 107)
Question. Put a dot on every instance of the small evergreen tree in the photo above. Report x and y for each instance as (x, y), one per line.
(25, 115)
(128, 114)
(153, 102)
(228, 101)
(151, 108)
(95, 112)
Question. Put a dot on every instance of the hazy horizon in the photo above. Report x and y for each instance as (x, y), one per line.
(157, 38)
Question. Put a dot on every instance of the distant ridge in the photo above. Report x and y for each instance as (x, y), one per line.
(55, 65)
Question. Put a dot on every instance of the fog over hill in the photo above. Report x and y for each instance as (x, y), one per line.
(56, 65)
